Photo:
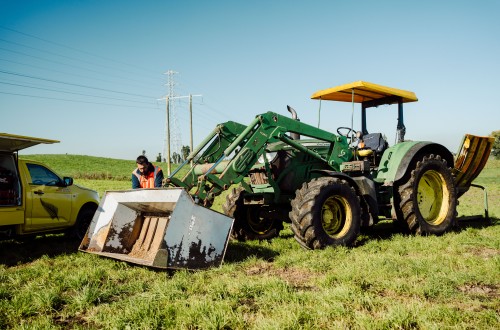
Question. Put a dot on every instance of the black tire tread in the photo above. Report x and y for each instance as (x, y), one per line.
(408, 202)
(302, 213)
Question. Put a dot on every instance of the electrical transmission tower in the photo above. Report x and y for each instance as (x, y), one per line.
(175, 133)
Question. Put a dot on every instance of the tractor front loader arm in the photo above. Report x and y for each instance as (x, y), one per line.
(233, 149)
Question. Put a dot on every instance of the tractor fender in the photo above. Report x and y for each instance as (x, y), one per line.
(398, 159)
(365, 188)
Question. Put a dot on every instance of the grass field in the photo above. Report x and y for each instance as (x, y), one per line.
(387, 281)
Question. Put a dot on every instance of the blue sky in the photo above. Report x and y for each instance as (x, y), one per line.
(91, 73)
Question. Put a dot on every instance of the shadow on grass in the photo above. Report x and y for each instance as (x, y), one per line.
(383, 230)
(14, 252)
(386, 229)
(475, 222)
(239, 251)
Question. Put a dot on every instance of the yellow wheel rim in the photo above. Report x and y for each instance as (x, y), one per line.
(258, 224)
(336, 216)
(432, 197)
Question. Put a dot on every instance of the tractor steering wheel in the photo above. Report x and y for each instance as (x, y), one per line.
(347, 132)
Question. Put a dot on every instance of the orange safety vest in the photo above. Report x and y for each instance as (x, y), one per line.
(149, 180)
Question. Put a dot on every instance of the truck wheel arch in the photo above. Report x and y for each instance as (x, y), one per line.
(83, 220)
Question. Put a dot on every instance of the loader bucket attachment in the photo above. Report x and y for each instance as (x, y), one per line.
(161, 228)
(470, 160)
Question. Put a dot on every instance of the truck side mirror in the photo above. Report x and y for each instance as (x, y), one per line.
(68, 181)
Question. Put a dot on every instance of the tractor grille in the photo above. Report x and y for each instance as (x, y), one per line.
(258, 178)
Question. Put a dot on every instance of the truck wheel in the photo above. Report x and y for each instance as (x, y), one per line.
(326, 211)
(250, 222)
(83, 221)
(428, 199)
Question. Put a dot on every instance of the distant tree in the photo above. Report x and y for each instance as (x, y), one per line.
(158, 158)
(144, 152)
(185, 152)
(176, 158)
(496, 145)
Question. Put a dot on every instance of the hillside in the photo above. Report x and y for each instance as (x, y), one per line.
(87, 167)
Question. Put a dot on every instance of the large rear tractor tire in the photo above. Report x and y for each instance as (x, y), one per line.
(326, 211)
(428, 199)
(250, 222)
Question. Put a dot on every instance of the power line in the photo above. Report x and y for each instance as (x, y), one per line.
(72, 84)
(74, 93)
(77, 101)
(62, 63)
(64, 72)
(72, 48)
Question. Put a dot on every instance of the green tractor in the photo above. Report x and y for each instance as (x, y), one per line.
(328, 185)
(280, 170)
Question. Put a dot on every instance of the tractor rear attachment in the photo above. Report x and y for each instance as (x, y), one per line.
(161, 228)
(469, 162)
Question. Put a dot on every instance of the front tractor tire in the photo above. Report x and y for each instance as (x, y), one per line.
(428, 199)
(326, 211)
(251, 222)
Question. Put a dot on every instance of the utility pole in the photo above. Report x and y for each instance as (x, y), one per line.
(170, 112)
(169, 167)
(190, 96)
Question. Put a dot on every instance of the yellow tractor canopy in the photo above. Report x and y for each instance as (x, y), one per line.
(363, 91)
(11, 142)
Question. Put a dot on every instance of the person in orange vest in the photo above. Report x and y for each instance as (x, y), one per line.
(146, 175)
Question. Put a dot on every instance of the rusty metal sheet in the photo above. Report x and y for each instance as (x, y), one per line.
(161, 228)
(196, 237)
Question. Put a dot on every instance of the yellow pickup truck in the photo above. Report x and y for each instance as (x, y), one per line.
(34, 199)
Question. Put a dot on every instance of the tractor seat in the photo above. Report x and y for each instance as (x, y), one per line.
(372, 143)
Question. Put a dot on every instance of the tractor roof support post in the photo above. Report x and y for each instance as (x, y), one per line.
(363, 119)
(401, 129)
(319, 112)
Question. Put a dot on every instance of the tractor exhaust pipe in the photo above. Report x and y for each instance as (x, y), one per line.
(295, 136)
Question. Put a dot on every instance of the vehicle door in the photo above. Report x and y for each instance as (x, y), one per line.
(11, 210)
(49, 197)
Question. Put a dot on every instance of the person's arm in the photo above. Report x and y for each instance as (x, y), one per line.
(159, 179)
(135, 182)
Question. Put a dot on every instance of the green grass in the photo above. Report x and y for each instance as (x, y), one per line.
(387, 281)
(89, 167)
(472, 201)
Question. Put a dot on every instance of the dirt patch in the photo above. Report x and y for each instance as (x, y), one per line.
(488, 290)
(72, 321)
(485, 253)
(295, 277)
